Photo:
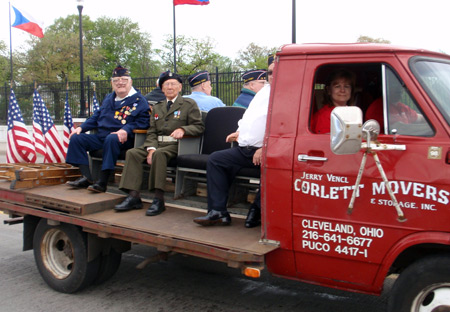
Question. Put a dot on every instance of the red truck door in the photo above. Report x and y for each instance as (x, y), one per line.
(348, 250)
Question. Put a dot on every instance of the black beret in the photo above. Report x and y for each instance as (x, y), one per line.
(119, 71)
(169, 75)
(198, 78)
(254, 74)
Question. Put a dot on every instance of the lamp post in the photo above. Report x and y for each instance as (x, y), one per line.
(82, 99)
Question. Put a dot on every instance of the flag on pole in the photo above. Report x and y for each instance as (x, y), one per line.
(194, 2)
(46, 137)
(95, 106)
(28, 23)
(20, 146)
(68, 123)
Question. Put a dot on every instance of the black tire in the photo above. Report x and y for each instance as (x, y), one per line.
(109, 264)
(423, 287)
(60, 253)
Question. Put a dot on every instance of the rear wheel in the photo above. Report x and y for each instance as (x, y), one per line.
(60, 253)
(423, 287)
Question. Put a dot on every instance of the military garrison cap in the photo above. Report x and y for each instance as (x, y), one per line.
(169, 75)
(198, 78)
(120, 71)
(254, 74)
(270, 59)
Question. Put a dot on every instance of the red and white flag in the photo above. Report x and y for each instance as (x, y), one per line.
(68, 123)
(46, 138)
(28, 23)
(20, 146)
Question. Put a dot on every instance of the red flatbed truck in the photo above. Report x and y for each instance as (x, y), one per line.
(343, 210)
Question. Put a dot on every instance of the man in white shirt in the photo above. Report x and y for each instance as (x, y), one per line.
(223, 165)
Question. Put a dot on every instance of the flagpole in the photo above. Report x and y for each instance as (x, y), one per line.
(10, 43)
(294, 35)
(174, 42)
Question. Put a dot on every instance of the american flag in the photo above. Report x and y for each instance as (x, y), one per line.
(46, 137)
(68, 123)
(95, 106)
(20, 146)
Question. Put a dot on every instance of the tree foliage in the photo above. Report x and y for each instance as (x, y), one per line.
(253, 57)
(372, 40)
(4, 63)
(56, 57)
(122, 42)
(108, 42)
(192, 55)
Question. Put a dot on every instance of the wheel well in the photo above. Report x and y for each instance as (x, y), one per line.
(29, 226)
(415, 253)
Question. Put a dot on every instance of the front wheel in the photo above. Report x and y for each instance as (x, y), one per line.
(61, 256)
(423, 287)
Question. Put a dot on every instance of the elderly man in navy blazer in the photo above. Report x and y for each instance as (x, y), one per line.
(122, 111)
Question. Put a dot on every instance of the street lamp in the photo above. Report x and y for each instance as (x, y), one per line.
(82, 100)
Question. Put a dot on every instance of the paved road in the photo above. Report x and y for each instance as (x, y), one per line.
(182, 283)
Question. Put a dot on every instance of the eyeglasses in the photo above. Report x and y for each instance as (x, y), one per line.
(122, 79)
(269, 73)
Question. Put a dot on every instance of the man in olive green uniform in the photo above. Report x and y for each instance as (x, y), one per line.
(171, 119)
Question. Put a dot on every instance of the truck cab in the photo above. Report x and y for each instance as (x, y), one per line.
(307, 188)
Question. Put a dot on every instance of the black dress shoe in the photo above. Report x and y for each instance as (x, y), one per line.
(129, 203)
(253, 217)
(156, 207)
(81, 182)
(97, 188)
(214, 217)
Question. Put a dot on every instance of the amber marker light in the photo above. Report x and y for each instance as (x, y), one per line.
(252, 272)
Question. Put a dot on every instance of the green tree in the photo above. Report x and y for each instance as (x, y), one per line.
(56, 57)
(4, 63)
(372, 40)
(192, 55)
(122, 42)
(253, 57)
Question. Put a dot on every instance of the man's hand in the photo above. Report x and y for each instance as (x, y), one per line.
(76, 131)
(233, 137)
(177, 133)
(257, 157)
(149, 156)
(122, 135)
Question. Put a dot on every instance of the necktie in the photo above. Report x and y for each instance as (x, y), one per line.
(169, 103)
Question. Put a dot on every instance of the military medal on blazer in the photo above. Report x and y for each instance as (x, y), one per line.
(124, 112)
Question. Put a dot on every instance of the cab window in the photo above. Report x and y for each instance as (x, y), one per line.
(376, 89)
(396, 111)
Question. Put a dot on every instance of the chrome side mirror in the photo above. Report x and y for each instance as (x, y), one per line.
(346, 130)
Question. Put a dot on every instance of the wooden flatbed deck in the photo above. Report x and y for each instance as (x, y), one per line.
(173, 230)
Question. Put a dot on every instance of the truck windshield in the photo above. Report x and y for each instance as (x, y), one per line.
(434, 76)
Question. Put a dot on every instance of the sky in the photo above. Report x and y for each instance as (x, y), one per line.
(234, 24)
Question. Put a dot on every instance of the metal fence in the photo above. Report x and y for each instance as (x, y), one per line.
(226, 86)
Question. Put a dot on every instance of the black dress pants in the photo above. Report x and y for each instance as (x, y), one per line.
(221, 170)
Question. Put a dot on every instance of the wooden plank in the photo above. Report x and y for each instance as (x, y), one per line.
(177, 222)
(64, 198)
